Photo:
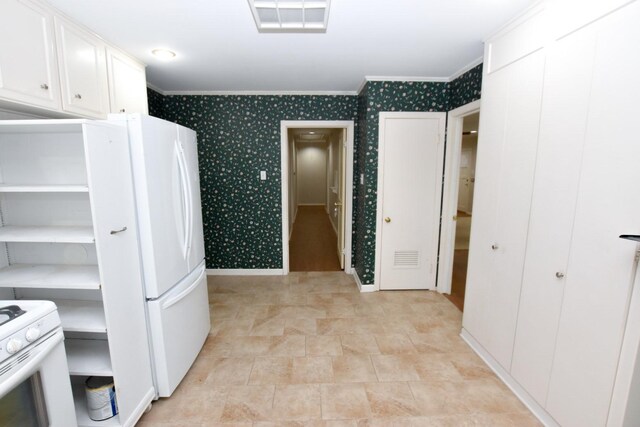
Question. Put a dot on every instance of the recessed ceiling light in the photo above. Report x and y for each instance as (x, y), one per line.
(290, 15)
(163, 54)
(474, 131)
(312, 133)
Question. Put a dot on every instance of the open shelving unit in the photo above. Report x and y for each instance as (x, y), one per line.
(65, 185)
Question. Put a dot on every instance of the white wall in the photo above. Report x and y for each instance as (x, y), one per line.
(312, 173)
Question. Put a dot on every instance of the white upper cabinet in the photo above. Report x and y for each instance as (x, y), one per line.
(28, 68)
(83, 70)
(51, 66)
(127, 84)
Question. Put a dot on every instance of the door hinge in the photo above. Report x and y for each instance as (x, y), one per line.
(637, 258)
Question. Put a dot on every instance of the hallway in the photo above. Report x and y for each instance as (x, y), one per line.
(313, 241)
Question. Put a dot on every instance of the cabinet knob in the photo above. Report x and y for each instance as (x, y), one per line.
(559, 275)
(495, 246)
(77, 96)
(44, 86)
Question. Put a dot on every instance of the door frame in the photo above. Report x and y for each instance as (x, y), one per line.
(285, 125)
(380, 189)
(455, 119)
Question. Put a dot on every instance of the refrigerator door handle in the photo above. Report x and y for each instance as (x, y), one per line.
(185, 196)
(172, 301)
(189, 201)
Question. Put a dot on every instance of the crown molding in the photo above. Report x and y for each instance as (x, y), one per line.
(156, 89)
(366, 79)
(466, 68)
(258, 92)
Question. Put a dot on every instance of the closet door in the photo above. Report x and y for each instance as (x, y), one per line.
(504, 181)
(562, 130)
(598, 279)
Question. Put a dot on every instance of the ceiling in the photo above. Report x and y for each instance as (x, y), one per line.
(219, 48)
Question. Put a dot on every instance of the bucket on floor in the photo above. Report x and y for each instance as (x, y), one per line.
(101, 398)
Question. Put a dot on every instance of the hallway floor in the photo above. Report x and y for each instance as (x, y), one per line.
(309, 349)
(313, 244)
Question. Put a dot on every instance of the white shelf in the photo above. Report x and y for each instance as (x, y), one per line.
(50, 276)
(46, 234)
(88, 357)
(82, 415)
(7, 188)
(82, 316)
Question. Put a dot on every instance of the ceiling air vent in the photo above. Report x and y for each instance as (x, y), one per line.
(293, 16)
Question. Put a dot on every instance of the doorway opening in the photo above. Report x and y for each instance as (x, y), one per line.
(457, 209)
(317, 184)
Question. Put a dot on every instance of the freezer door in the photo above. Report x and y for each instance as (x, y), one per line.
(179, 324)
(195, 243)
(161, 185)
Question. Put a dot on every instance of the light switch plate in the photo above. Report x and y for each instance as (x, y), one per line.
(263, 175)
(361, 179)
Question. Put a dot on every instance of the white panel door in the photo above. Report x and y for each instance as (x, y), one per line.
(114, 217)
(560, 146)
(195, 236)
(28, 67)
(409, 193)
(161, 193)
(599, 274)
(83, 70)
(504, 181)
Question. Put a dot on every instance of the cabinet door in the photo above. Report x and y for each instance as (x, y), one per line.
(562, 130)
(600, 268)
(28, 68)
(83, 71)
(127, 84)
(116, 235)
(504, 181)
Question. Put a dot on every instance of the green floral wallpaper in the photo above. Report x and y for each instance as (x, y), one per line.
(238, 136)
(465, 89)
(156, 103)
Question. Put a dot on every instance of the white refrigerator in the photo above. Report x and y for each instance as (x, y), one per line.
(164, 160)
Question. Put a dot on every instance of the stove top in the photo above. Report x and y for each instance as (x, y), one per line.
(16, 314)
(10, 312)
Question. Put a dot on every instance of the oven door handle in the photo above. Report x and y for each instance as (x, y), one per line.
(44, 349)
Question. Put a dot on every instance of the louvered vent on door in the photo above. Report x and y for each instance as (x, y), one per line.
(406, 259)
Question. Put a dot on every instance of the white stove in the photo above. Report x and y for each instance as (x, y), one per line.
(23, 323)
(35, 388)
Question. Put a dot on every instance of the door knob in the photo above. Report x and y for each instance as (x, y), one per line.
(44, 86)
(77, 96)
(455, 217)
(387, 219)
(337, 204)
(559, 275)
(495, 246)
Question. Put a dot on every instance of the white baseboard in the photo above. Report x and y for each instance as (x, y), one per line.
(244, 272)
(363, 288)
(537, 410)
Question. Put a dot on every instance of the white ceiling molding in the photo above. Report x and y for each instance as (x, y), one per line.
(257, 92)
(156, 89)
(466, 68)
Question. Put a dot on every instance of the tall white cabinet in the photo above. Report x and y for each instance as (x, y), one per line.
(550, 285)
(69, 234)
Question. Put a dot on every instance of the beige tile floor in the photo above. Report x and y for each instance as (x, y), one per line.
(308, 349)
